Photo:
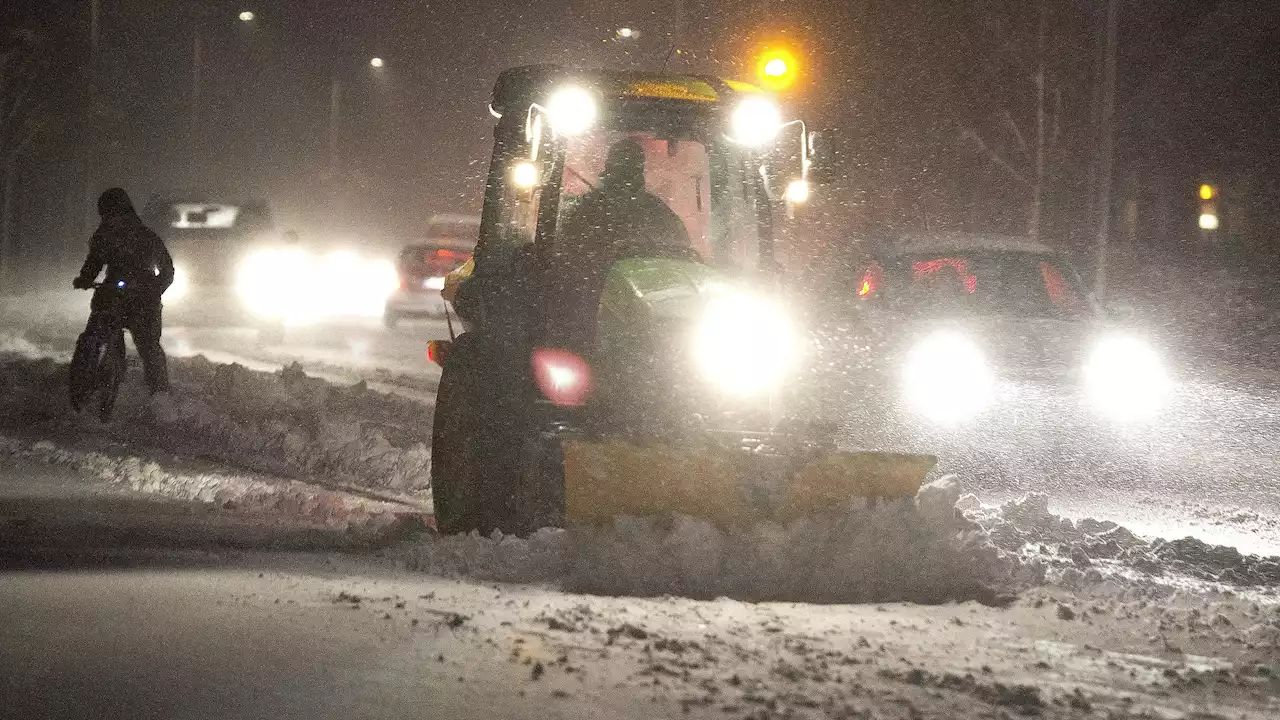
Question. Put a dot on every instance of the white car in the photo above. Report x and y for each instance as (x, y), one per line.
(952, 329)
(233, 267)
(421, 268)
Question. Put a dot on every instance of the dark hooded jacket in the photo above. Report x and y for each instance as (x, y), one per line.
(129, 250)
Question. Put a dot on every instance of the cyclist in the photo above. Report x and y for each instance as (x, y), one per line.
(132, 253)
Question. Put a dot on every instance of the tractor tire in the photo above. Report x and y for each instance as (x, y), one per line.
(539, 497)
(452, 432)
(490, 469)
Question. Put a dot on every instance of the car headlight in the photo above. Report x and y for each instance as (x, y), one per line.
(744, 344)
(946, 378)
(180, 286)
(1125, 378)
(272, 283)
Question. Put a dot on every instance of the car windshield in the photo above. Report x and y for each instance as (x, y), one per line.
(206, 220)
(1020, 284)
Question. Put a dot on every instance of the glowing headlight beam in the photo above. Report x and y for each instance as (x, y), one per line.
(524, 175)
(572, 110)
(797, 192)
(755, 122)
(180, 287)
(946, 378)
(745, 344)
(1126, 380)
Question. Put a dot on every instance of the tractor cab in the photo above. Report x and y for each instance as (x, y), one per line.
(625, 338)
(714, 160)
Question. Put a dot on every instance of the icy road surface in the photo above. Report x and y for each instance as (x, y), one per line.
(1210, 470)
(114, 603)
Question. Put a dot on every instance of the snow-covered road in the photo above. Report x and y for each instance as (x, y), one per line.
(134, 582)
(116, 603)
(1209, 469)
(245, 635)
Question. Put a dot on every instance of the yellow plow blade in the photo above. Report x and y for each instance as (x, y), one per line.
(608, 479)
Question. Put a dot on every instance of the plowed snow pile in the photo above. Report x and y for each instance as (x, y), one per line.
(1081, 551)
(950, 548)
(283, 423)
(885, 553)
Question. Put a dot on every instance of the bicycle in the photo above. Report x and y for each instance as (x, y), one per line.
(98, 364)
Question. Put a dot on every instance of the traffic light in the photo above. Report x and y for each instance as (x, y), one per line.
(777, 68)
(1208, 207)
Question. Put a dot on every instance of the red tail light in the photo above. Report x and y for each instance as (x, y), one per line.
(563, 377)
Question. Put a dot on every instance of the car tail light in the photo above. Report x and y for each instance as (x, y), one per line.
(563, 377)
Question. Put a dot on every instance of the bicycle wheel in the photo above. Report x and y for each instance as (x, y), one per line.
(110, 374)
(82, 373)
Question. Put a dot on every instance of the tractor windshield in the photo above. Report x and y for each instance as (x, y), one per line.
(679, 190)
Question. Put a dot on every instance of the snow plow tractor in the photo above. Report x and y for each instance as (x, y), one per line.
(628, 347)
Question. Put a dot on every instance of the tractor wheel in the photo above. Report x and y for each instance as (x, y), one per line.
(490, 470)
(452, 433)
(539, 498)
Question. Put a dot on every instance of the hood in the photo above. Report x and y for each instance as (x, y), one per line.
(115, 202)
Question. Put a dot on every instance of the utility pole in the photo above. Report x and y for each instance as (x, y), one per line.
(197, 62)
(335, 117)
(1037, 188)
(1106, 146)
(88, 188)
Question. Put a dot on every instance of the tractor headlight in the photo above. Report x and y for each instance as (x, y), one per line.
(755, 122)
(1125, 378)
(573, 110)
(946, 378)
(745, 344)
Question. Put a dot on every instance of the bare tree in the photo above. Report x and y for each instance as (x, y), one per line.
(22, 116)
(1023, 150)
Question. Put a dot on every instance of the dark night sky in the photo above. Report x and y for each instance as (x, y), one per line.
(415, 136)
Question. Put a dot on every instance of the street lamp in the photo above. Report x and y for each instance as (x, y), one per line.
(247, 16)
(336, 102)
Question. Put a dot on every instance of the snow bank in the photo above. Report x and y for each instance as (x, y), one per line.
(892, 552)
(948, 547)
(284, 423)
(1080, 551)
(244, 493)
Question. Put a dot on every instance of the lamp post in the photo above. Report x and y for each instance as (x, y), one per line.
(197, 78)
(377, 64)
